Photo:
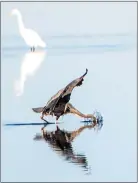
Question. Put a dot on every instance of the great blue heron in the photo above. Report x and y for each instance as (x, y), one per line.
(59, 104)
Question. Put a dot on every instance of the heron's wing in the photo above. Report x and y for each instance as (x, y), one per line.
(53, 99)
(77, 82)
(66, 92)
(55, 96)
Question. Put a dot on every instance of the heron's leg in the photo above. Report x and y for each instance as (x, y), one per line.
(33, 48)
(42, 117)
(56, 120)
(66, 106)
(42, 130)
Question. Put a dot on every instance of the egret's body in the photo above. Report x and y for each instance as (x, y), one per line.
(31, 38)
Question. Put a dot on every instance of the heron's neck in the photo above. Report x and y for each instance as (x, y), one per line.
(20, 23)
(89, 115)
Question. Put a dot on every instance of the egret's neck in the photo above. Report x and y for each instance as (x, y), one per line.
(20, 23)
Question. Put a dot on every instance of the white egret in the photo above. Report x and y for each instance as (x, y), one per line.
(31, 38)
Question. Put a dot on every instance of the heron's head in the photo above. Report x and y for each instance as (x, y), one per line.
(15, 12)
(98, 118)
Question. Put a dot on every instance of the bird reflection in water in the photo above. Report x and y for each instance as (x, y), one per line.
(61, 142)
(30, 64)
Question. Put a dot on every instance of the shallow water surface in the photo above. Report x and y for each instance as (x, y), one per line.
(30, 79)
(109, 87)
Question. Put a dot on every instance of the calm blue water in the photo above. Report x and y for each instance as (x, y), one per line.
(30, 79)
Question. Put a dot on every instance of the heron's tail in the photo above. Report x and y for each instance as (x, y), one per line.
(38, 109)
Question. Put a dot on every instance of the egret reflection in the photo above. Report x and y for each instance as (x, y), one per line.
(30, 64)
(61, 142)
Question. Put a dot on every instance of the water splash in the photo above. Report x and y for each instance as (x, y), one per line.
(99, 118)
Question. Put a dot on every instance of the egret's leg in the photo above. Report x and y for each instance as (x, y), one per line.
(31, 49)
